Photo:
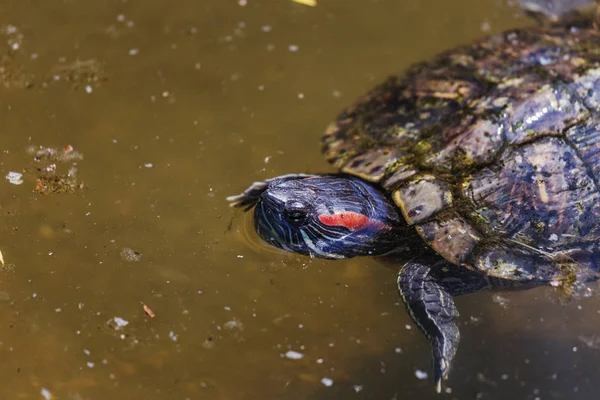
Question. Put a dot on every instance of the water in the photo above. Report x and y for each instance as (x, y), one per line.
(182, 105)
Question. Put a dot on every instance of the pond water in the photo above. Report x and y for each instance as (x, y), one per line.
(146, 285)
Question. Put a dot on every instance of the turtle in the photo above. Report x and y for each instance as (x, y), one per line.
(480, 168)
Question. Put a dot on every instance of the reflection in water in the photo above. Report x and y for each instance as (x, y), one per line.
(184, 104)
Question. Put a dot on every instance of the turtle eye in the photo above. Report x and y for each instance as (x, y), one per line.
(295, 216)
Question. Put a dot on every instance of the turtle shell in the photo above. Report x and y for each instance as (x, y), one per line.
(492, 151)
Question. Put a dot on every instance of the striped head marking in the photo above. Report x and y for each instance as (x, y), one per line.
(327, 216)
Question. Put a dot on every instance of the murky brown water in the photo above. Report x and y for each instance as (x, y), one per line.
(188, 102)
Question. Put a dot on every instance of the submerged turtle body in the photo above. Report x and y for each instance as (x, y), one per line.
(492, 151)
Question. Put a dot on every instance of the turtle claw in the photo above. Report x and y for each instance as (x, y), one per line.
(250, 197)
(441, 370)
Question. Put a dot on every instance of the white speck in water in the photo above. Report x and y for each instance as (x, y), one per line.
(197, 65)
(320, 361)
(267, 159)
(88, 89)
(15, 178)
(422, 375)
(300, 326)
(293, 48)
(133, 52)
(327, 382)
(240, 256)
(58, 309)
(504, 377)
(120, 322)
(173, 336)
(90, 364)
(227, 308)
(266, 28)
(148, 165)
(300, 96)
(86, 352)
(398, 350)
(46, 394)
(242, 3)
(34, 295)
(357, 388)
(15, 46)
(120, 18)
(574, 349)
(553, 237)
(408, 327)
(294, 355)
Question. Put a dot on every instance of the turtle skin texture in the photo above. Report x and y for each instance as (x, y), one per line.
(491, 151)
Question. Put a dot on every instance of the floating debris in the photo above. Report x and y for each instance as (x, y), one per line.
(15, 178)
(49, 180)
(130, 255)
(79, 72)
(593, 342)
(310, 3)
(294, 355)
(148, 311)
(120, 322)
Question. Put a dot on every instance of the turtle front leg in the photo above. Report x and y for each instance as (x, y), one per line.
(427, 286)
(431, 307)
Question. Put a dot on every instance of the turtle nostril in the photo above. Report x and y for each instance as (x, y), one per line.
(295, 216)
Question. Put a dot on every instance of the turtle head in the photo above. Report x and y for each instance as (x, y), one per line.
(326, 216)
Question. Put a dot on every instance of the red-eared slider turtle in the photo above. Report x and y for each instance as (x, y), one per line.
(482, 166)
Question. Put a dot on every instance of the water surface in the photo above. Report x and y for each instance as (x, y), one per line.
(174, 106)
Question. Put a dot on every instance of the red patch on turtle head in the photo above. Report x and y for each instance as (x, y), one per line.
(351, 220)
